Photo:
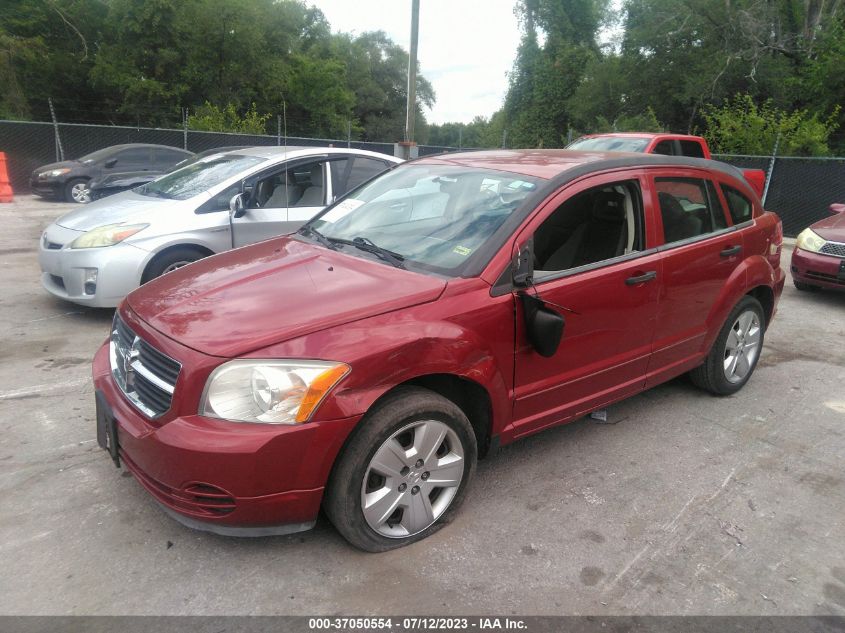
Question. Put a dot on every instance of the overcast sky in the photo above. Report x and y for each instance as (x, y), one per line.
(465, 48)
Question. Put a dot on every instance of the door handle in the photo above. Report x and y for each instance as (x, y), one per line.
(731, 250)
(640, 279)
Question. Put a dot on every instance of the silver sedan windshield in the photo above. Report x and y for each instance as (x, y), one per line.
(197, 177)
(431, 217)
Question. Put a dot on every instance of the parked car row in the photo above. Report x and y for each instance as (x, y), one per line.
(399, 327)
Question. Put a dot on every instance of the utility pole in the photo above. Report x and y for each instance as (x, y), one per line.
(411, 112)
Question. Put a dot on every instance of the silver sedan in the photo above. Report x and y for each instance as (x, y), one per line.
(97, 254)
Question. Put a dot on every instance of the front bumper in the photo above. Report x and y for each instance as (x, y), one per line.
(224, 477)
(63, 270)
(815, 269)
(47, 188)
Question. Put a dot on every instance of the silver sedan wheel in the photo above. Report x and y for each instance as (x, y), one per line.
(80, 193)
(742, 346)
(174, 266)
(412, 479)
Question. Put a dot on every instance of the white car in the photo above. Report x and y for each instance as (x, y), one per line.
(97, 254)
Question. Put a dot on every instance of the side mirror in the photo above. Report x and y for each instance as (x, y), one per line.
(837, 208)
(523, 265)
(111, 162)
(237, 206)
(544, 326)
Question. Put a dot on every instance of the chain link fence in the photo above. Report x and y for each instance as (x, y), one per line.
(800, 190)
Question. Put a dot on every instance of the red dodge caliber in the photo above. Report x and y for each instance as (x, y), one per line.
(451, 305)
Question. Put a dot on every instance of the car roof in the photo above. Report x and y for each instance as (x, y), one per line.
(639, 135)
(133, 145)
(294, 151)
(551, 164)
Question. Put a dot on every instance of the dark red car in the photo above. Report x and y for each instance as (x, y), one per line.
(818, 260)
(452, 305)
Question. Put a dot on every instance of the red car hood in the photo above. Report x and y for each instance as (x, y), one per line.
(832, 228)
(252, 297)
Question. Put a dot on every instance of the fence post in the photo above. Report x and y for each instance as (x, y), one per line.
(60, 152)
(771, 170)
(185, 128)
(348, 133)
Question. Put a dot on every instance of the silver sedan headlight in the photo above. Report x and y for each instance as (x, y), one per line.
(269, 391)
(107, 235)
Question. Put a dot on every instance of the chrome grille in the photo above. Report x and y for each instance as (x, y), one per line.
(143, 373)
(833, 248)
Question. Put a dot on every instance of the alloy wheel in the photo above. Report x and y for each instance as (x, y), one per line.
(742, 346)
(80, 193)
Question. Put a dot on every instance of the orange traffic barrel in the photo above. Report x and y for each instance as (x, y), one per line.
(5, 185)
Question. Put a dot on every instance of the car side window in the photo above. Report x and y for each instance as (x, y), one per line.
(595, 225)
(362, 170)
(739, 206)
(136, 157)
(665, 148)
(166, 158)
(309, 179)
(220, 202)
(692, 148)
(276, 190)
(686, 208)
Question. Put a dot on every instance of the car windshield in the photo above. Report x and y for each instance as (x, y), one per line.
(198, 176)
(100, 154)
(609, 144)
(429, 217)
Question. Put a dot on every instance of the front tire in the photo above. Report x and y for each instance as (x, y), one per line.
(76, 190)
(404, 472)
(170, 261)
(735, 353)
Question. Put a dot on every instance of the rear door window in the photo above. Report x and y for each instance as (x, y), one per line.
(135, 158)
(686, 208)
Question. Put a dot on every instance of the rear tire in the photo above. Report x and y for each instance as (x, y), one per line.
(800, 285)
(76, 190)
(170, 261)
(383, 492)
(735, 353)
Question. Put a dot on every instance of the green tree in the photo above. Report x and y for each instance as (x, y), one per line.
(740, 126)
(213, 119)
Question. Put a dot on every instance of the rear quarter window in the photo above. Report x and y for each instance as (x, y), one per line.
(739, 207)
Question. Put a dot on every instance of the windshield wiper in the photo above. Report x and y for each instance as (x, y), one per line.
(368, 246)
(322, 239)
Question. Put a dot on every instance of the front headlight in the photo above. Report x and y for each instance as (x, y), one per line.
(54, 173)
(809, 241)
(269, 391)
(107, 235)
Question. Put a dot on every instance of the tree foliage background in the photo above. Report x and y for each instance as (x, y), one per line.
(740, 72)
(227, 61)
(690, 66)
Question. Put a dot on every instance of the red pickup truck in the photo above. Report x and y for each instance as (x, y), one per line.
(660, 143)
(453, 304)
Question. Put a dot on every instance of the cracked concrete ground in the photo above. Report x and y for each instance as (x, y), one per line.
(683, 504)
